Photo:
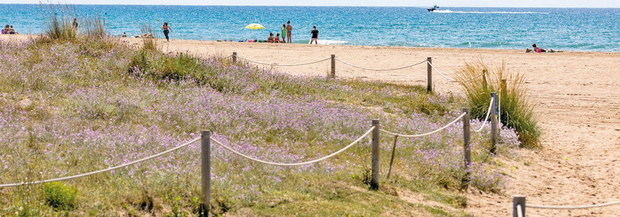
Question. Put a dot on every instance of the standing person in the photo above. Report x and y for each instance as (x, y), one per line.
(283, 32)
(6, 29)
(289, 32)
(166, 29)
(75, 24)
(315, 35)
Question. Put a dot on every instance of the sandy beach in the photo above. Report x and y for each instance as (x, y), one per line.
(577, 97)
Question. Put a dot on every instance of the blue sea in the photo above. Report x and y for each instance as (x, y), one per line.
(495, 28)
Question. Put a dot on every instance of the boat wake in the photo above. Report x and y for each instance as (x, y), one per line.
(486, 12)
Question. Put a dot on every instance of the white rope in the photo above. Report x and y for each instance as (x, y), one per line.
(486, 119)
(380, 70)
(425, 134)
(102, 170)
(294, 164)
(445, 76)
(574, 207)
(276, 64)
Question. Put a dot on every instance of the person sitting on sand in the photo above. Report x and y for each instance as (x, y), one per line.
(277, 38)
(11, 31)
(6, 29)
(270, 38)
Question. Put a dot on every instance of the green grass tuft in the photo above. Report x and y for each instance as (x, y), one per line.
(60, 196)
(515, 107)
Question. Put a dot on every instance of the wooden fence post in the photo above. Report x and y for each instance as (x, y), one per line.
(429, 74)
(234, 57)
(466, 149)
(333, 71)
(205, 141)
(374, 182)
(494, 123)
(518, 206)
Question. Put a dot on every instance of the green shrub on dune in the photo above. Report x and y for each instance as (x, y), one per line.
(60, 196)
(516, 111)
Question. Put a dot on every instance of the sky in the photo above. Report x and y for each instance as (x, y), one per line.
(414, 3)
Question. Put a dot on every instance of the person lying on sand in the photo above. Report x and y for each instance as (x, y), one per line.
(537, 49)
(145, 35)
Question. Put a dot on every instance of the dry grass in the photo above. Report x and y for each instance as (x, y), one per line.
(148, 43)
(61, 28)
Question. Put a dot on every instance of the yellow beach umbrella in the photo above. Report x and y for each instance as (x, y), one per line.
(254, 26)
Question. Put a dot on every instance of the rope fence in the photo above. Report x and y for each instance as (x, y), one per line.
(519, 206)
(486, 117)
(298, 163)
(102, 170)
(206, 140)
(332, 74)
(278, 64)
(427, 133)
(374, 131)
(380, 70)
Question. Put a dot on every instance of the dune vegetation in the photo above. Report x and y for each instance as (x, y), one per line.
(72, 106)
(516, 111)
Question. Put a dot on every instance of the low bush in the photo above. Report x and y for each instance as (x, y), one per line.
(60, 196)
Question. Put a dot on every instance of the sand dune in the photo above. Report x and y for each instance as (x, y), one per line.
(577, 96)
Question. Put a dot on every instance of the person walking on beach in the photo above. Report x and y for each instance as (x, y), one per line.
(283, 32)
(289, 32)
(315, 35)
(166, 29)
(75, 24)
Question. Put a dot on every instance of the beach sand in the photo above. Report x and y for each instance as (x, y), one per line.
(577, 98)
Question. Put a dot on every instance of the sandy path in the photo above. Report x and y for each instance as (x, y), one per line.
(578, 98)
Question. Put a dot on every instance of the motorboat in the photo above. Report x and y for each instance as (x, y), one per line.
(433, 8)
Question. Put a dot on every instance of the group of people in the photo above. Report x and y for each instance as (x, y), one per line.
(286, 35)
(8, 29)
